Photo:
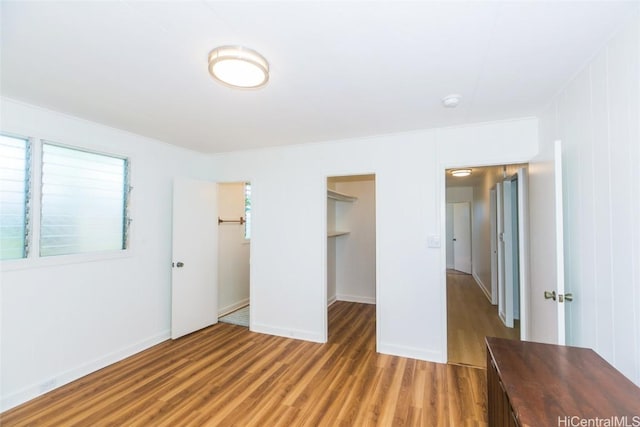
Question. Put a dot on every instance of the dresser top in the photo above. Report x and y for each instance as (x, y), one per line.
(549, 384)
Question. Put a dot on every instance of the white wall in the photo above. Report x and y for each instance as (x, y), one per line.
(356, 252)
(233, 249)
(288, 261)
(459, 194)
(597, 117)
(63, 317)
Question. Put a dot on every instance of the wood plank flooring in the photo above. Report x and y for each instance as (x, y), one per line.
(226, 375)
(471, 317)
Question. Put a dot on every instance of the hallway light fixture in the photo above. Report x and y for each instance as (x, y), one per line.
(461, 172)
(238, 67)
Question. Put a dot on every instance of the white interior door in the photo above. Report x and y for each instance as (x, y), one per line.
(500, 248)
(511, 273)
(493, 220)
(547, 315)
(462, 237)
(194, 289)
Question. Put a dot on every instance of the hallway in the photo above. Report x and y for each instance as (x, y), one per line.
(471, 317)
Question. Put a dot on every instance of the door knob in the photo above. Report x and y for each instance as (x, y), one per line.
(550, 295)
(180, 264)
(568, 297)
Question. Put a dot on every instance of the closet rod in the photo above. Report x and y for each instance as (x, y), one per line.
(241, 220)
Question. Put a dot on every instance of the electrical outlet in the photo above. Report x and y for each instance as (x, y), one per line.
(48, 385)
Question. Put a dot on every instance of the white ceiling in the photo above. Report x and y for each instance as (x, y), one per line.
(338, 69)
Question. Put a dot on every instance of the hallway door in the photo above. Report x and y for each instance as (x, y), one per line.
(462, 237)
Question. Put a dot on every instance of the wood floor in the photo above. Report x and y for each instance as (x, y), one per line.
(471, 317)
(225, 375)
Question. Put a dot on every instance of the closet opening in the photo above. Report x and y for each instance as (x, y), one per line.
(234, 244)
(485, 259)
(351, 253)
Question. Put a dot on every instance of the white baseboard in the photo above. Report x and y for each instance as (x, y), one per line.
(479, 282)
(331, 300)
(411, 352)
(356, 298)
(32, 391)
(232, 307)
(287, 332)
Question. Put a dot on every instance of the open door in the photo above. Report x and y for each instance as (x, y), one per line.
(547, 247)
(515, 253)
(501, 251)
(493, 223)
(194, 288)
(511, 255)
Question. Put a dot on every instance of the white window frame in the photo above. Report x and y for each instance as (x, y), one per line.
(33, 259)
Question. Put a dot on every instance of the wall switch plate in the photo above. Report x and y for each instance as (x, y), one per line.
(433, 241)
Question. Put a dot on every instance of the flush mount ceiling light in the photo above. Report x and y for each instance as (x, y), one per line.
(239, 67)
(451, 101)
(461, 172)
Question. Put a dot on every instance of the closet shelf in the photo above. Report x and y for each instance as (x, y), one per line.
(336, 233)
(335, 195)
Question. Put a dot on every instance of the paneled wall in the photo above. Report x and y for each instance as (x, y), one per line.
(597, 117)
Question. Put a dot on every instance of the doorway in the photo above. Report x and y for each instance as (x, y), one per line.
(234, 238)
(351, 241)
(472, 285)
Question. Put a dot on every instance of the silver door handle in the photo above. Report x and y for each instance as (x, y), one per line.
(180, 264)
(550, 295)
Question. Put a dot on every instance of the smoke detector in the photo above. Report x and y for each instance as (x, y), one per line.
(451, 101)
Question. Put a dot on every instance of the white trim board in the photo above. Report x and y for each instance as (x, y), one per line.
(286, 332)
(34, 390)
(233, 307)
(356, 298)
(484, 289)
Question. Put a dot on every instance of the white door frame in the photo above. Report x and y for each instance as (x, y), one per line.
(559, 217)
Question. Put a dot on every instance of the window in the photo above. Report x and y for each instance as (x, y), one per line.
(247, 210)
(84, 201)
(15, 174)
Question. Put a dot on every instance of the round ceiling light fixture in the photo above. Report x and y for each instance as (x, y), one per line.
(239, 67)
(461, 172)
(451, 101)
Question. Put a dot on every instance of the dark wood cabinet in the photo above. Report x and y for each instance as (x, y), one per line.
(534, 385)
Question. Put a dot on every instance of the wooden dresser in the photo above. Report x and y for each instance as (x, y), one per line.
(543, 385)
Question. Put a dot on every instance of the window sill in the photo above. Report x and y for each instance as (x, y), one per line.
(34, 262)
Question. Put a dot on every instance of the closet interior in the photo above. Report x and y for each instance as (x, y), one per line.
(234, 232)
(351, 239)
